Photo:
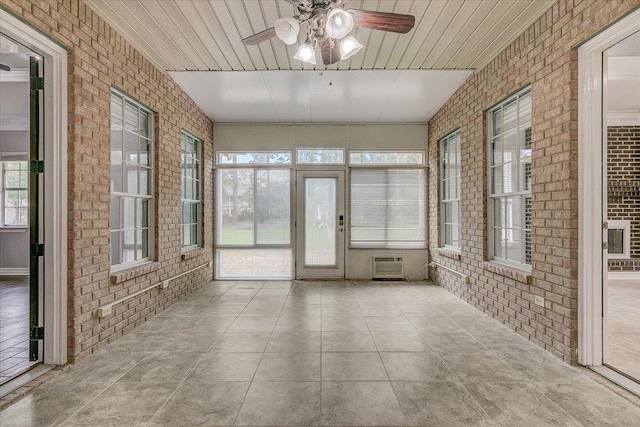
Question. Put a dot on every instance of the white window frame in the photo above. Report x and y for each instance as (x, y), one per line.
(625, 226)
(149, 197)
(197, 201)
(521, 195)
(222, 164)
(354, 163)
(445, 198)
(12, 157)
(321, 163)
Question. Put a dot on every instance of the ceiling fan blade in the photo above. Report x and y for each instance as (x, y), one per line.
(384, 21)
(330, 54)
(260, 37)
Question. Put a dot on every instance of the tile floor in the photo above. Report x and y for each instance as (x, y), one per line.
(322, 353)
(14, 327)
(624, 327)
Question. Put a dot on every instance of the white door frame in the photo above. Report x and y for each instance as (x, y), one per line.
(55, 182)
(320, 272)
(591, 134)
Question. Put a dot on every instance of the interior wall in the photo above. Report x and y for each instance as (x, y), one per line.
(545, 57)
(99, 59)
(14, 107)
(241, 137)
(623, 178)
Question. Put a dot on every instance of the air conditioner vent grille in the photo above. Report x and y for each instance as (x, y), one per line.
(387, 268)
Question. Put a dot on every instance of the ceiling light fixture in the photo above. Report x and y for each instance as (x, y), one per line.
(349, 46)
(287, 29)
(306, 53)
(328, 27)
(339, 23)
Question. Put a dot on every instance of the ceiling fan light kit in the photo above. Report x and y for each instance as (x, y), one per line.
(287, 29)
(349, 46)
(328, 25)
(306, 53)
(339, 23)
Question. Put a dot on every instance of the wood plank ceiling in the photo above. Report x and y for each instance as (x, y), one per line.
(180, 35)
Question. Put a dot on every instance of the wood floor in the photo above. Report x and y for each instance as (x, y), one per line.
(14, 327)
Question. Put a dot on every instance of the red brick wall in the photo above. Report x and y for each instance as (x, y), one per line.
(99, 58)
(623, 169)
(545, 57)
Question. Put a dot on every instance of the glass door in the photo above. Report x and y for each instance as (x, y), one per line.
(321, 225)
(621, 209)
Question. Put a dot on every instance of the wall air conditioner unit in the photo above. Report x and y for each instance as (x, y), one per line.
(385, 268)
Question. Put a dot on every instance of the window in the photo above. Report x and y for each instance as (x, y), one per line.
(15, 192)
(619, 232)
(258, 158)
(509, 160)
(388, 208)
(191, 157)
(386, 157)
(450, 185)
(131, 182)
(320, 157)
(253, 217)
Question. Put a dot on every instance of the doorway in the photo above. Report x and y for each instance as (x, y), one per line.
(45, 269)
(321, 225)
(599, 239)
(621, 207)
(21, 328)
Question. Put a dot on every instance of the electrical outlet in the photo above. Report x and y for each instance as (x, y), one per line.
(539, 300)
(164, 284)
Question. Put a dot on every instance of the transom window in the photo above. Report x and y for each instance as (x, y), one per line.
(191, 189)
(254, 158)
(386, 157)
(509, 152)
(450, 191)
(15, 193)
(132, 172)
(322, 156)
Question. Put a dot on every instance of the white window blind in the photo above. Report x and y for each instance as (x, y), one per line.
(450, 191)
(388, 208)
(191, 155)
(132, 169)
(509, 132)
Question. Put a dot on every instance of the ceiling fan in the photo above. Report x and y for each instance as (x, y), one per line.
(328, 25)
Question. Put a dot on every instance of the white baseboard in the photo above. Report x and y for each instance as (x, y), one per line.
(14, 271)
(623, 275)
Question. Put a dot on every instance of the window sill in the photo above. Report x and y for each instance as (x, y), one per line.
(133, 272)
(450, 253)
(192, 253)
(13, 229)
(517, 274)
(390, 248)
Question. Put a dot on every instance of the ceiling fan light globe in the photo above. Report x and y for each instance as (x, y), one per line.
(287, 29)
(306, 53)
(349, 46)
(339, 23)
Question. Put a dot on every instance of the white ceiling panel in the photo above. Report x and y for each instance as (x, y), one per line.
(422, 91)
(301, 96)
(289, 95)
